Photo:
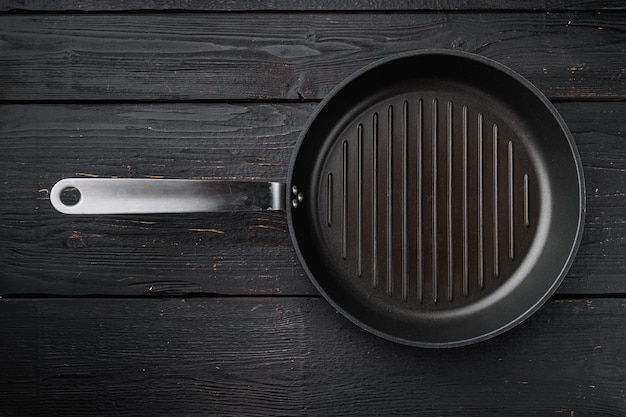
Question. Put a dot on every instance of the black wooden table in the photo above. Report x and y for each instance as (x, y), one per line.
(211, 314)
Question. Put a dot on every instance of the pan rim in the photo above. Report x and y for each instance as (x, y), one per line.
(575, 243)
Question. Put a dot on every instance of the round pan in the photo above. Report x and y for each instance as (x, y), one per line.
(443, 198)
(435, 198)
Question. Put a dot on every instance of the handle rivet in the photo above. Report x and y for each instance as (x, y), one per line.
(294, 203)
(300, 197)
(294, 190)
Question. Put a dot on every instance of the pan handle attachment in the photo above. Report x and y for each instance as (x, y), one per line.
(153, 196)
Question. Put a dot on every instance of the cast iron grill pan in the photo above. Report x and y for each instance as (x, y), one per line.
(435, 198)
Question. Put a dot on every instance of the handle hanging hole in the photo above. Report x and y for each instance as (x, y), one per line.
(70, 196)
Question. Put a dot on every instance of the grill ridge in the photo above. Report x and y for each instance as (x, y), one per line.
(511, 205)
(405, 208)
(481, 214)
(449, 230)
(390, 200)
(420, 175)
(465, 208)
(435, 135)
(375, 200)
(360, 201)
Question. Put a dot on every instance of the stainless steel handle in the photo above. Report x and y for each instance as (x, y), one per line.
(146, 196)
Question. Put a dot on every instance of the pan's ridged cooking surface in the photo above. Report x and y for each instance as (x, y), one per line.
(429, 201)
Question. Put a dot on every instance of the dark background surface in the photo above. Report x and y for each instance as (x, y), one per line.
(211, 314)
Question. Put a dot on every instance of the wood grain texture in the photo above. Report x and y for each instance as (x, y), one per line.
(603, 154)
(326, 5)
(296, 356)
(259, 56)
(42, 251)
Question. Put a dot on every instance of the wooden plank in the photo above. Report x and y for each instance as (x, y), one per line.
(44, 252)
(296, 356)
(317, 5)
(603, 154)
(295, 56)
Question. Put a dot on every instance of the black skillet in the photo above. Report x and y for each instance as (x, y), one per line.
(435, 198)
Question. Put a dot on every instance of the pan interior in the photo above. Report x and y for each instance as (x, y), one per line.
(441, 199)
